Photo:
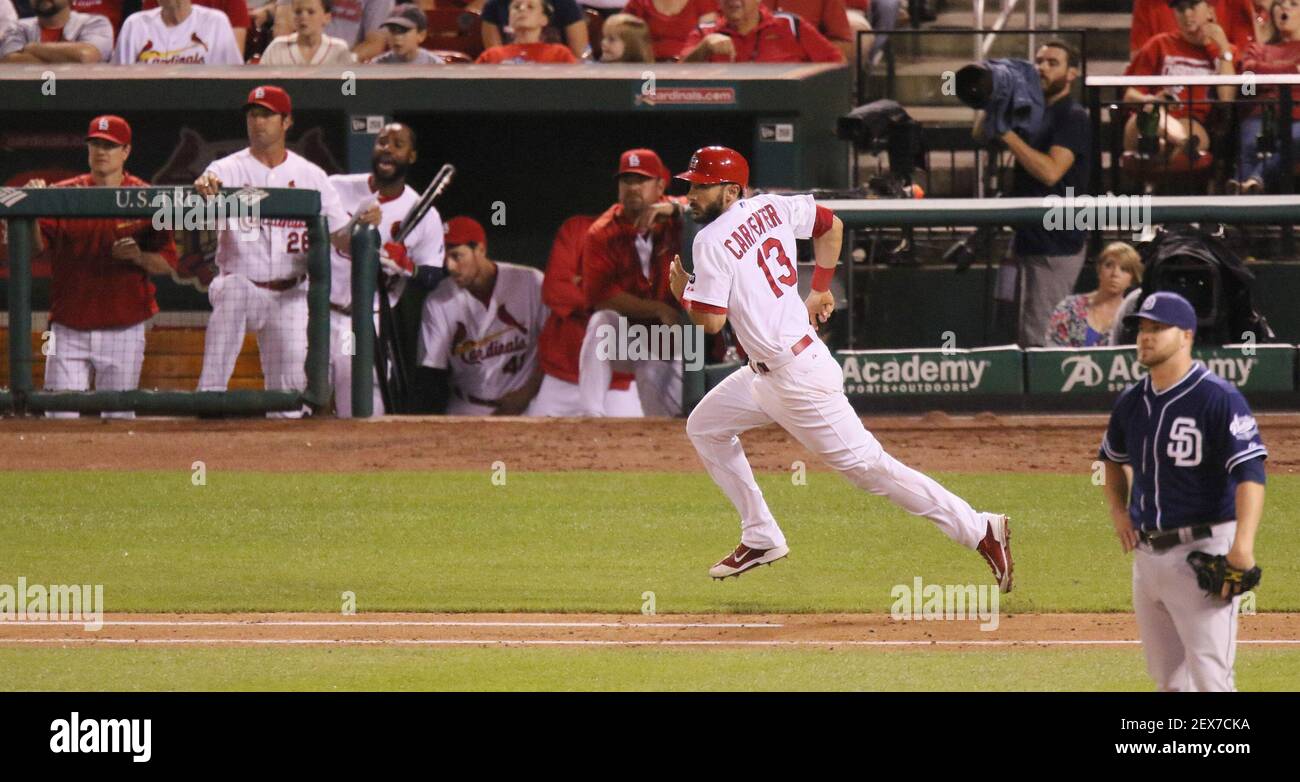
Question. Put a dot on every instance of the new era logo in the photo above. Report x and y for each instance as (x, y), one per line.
(10, 196)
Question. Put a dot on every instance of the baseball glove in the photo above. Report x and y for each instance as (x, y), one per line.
(1218, 578)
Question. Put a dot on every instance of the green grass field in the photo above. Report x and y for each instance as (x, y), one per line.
(566, 542)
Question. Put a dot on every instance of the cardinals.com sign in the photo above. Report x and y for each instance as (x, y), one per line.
(1111, 370)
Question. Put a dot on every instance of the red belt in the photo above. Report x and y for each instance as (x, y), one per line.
(796, 349)
(279, 286)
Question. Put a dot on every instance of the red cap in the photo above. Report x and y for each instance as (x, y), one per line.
(270, 97)
(716, 165)
(110, 127)
(463, 230)
(642, 161)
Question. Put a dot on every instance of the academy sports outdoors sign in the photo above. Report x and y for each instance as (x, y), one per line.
(1252, 368)
(995, 370)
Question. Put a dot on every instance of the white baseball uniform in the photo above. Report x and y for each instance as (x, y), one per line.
(491, 348)
(202, 38)
(424, 246)
(262, 285)
(745, 268)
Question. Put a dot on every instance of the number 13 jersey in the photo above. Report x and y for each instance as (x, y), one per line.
(745, 268)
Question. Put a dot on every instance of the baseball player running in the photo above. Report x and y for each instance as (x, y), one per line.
(418, 259)
(482, 323)
(745, 272)
(100, 293)
(262, 284)
(1194, 503)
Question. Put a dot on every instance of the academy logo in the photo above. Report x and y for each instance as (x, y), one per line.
(920, 374)
(1081, 370)
(10, 196)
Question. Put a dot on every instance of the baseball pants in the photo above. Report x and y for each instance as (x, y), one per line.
(560, 398)
(1189, 638)
(279, 319)
(341, 366)
(806, 397)
(658, 382)
(111, 358)
(1045, 280)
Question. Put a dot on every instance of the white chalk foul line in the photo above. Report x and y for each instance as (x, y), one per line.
(378, 623)
(561, 642)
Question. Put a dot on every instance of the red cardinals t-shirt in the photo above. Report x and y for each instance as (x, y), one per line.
(1168, 54)
(516, 53)
(669, 33)
(89, 289)
(1152, 17)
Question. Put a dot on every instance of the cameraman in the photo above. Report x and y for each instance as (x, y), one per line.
(1053, 162)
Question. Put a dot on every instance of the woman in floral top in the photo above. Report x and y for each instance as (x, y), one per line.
(1085, 319)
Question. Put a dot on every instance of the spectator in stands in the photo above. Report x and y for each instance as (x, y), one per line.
(528, 18)
(1087, 319)
(884, 18)
(1255, 174)
(672, 21)
(829, 15)
(177, 32)
(235, 10)
(751, 33)
(1199, 47)
(1055, 162)
(407, 28)
(358, 22)
(626, 38)
(565, 22)
(309, 45)
(1152, 17)
(58, 34)
(8, 17)
(112, 10)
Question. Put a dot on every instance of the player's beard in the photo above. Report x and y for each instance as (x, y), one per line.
(708, 213)
(399, 172)
(1054, 88)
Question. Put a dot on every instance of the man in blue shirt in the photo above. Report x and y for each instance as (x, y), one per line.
(1197, 465)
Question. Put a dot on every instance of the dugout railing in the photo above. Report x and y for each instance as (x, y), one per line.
(1129, 213)
(21, 207)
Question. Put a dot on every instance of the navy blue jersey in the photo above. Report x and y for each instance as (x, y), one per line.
(1187, 446)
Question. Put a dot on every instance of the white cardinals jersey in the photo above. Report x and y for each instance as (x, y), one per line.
(271, 249)
(204, 38)
(745, 267)
(424, 245)
(490, 348)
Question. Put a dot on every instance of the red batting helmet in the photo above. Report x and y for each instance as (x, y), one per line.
(716, 165)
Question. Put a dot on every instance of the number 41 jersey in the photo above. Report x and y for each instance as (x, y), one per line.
(1183, 444)
(745, 268)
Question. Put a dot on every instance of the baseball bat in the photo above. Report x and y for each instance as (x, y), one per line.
(393, 354)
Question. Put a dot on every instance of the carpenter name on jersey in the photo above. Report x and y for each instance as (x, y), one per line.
(1188, 445)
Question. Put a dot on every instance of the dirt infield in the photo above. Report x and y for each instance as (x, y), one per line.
(1024, 631)
(936, 441)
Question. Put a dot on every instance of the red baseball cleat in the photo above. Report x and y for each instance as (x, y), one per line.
(744, 558)
(996, 550)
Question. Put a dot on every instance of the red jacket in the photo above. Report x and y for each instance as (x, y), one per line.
(773, 40)
(88, 288)
(561, 337)
(830, 16)
(610, 264)
(1168, 54)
